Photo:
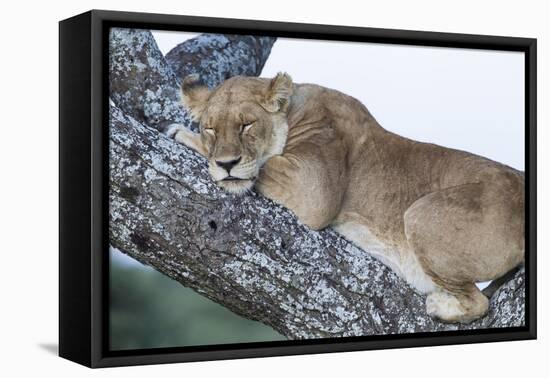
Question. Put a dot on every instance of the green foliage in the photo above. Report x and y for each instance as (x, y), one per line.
(150, 310)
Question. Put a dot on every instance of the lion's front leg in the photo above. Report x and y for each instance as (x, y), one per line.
(284, 181)
(274, 183)
(183, 135)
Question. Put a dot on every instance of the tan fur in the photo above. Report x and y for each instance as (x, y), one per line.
(441, 218)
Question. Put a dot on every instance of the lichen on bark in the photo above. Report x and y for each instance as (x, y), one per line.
(217, 57)
(145, 84)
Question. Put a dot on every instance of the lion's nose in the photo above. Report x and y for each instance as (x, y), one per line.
(228, 164)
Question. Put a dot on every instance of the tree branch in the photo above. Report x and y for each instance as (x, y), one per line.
(145, 85)
(217, 57)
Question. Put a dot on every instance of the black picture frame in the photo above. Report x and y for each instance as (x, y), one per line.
(83, 180)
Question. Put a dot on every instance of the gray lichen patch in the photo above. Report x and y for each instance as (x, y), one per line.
(217, 57)
(141, 83)
(145, 85)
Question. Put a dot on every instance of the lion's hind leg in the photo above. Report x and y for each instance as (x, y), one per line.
(458, 241)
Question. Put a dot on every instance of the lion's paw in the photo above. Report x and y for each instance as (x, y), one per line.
(444, 306)
(172, 129)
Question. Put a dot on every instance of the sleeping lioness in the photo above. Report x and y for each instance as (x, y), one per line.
(442, 219)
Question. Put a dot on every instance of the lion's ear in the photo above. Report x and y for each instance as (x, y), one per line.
(194, 95)
(278, 93)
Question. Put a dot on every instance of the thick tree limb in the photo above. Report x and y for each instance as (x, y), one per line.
(217, 57)
(141, 82)
(145, 85)
(253, 256)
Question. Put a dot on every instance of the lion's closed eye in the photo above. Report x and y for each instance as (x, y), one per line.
(246, 126)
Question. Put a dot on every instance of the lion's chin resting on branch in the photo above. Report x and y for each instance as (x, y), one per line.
(442, 219)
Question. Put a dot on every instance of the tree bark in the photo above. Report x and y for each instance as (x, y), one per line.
(253, 256)
(145, 84)
(217, 57)
(141, 83)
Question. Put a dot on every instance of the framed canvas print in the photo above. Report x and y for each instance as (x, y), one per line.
(235, 188)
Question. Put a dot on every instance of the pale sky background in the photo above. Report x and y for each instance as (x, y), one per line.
(467, 99)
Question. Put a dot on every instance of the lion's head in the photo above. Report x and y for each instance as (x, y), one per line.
(243, 122)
